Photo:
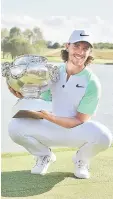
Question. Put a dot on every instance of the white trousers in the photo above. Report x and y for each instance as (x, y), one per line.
(37, 136)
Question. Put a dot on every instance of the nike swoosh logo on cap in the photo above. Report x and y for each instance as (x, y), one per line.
(83, 34)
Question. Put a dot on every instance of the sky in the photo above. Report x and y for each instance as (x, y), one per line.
(58, 18)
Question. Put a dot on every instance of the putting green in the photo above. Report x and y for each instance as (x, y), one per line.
(59, 182)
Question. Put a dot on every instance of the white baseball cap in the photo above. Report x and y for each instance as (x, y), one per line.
(80, 35)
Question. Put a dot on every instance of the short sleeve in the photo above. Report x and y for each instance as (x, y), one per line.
(89, 102)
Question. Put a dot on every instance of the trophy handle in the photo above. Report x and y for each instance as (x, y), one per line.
(5, 69)
(8, 70)
(54, 72)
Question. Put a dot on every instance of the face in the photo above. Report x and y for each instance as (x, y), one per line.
(79, 52)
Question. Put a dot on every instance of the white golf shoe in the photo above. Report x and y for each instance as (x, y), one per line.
(42, 164)
(81, 167)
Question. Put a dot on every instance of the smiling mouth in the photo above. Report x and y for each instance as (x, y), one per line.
(78, 57)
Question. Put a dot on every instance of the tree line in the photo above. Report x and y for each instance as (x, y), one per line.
(103, 45)
(31, 41)
(17, 42)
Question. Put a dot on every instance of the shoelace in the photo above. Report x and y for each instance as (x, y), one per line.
(82, 164)
(43, 160)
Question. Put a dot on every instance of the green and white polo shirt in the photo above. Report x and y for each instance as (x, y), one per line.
(80, 93)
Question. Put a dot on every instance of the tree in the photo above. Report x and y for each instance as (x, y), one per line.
(19, 46)
(40, 46)
(63, 45)
(49, 44)
(28, 34)
(5, 46)
(4, 33)
(103, 45)
(14, 32)
(37, 34)
(56, 45)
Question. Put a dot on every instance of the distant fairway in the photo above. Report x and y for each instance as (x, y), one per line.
(53, 55)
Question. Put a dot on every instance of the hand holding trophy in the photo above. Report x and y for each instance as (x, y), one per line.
(30, 75)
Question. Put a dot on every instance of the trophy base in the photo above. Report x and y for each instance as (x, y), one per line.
(24, 108)
(26, 114)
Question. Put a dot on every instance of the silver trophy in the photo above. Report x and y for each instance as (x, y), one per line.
(31, 75)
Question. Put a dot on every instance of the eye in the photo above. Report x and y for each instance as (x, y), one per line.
(86, 48)
(76, 45)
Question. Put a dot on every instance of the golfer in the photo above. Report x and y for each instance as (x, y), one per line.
(75, 99)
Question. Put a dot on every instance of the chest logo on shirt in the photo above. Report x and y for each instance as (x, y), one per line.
(79, 86)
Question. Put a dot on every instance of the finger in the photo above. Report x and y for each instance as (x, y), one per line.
(44, 112)
(37, 114)
(18, 94)
(13, 92)
(11, 89)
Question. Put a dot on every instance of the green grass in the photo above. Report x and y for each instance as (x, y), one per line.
(58, 59)
(102, 56)
(96, 61)
(59, 182)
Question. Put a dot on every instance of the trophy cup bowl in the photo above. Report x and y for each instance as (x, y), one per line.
(30, 75)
